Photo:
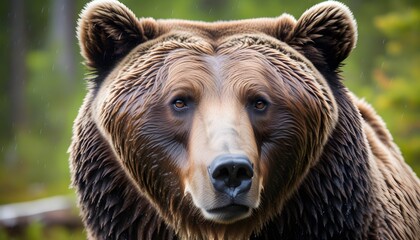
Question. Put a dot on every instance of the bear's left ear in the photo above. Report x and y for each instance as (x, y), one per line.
(327, 32)
(107, 30)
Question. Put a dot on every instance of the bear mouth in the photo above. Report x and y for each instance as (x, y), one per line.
(229, 213)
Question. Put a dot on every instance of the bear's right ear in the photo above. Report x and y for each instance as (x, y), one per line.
(107, 30)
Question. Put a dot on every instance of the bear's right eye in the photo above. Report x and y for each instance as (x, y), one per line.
(179, 104)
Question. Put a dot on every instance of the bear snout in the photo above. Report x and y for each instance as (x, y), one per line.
(231, 174)
(230, 191)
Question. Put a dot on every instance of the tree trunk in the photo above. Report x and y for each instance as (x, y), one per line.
(64, 37)
(18, 67)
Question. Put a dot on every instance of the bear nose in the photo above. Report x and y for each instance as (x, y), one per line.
(231, 174)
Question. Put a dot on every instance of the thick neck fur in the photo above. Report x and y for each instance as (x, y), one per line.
(333, 202)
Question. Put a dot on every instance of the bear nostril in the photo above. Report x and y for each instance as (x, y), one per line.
(221, 174)
(244, 173)
(231, 174)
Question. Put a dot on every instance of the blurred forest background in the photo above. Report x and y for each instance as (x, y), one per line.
(42, 86)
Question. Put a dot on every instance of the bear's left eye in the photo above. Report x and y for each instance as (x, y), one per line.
(260, 104)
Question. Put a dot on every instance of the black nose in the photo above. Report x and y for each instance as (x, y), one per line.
(231, 174)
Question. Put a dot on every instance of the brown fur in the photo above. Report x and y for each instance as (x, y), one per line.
(325, 166)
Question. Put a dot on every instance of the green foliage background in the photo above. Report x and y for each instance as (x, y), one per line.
(384, 69)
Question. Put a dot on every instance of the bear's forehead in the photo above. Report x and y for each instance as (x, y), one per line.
(202, 43)
(236, 50)
(242, 63)
(238, 70)
(222, 29)
(184, 59)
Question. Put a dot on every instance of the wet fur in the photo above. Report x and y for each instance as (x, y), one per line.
(350, 181)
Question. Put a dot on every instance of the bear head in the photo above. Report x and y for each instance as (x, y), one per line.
(215, 124)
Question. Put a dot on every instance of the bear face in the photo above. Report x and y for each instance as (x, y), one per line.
(215, 124)
(202, 106)
(176, 106)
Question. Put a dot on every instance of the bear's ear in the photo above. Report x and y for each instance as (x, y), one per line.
(107, 30)
(327, 32)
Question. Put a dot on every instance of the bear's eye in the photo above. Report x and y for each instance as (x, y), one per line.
(260, 104)
(179, 104)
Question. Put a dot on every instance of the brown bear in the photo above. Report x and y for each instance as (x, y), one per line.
(232, 130)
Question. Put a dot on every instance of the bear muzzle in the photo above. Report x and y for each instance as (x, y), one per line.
(231, 174)
(231, 177)
(228, 190)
